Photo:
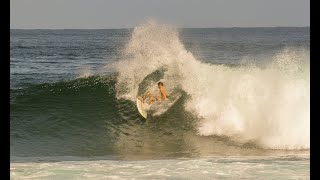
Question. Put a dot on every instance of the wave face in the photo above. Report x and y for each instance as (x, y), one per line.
(266, 104)
(63, 118)
(69, 105)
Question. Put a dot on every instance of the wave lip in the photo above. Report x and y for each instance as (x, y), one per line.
(266, 105)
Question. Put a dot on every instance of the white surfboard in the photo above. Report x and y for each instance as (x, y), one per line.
(141, 108)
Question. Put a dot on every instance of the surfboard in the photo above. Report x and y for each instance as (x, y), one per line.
(141, 108)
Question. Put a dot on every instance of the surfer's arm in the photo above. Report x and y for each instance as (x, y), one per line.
(163, 93)
(165, 96)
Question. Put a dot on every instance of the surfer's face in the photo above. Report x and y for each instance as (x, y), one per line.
(160, 84)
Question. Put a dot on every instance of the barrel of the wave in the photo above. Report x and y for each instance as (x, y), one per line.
(141, 108)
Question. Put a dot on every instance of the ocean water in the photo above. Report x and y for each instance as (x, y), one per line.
(240, 103)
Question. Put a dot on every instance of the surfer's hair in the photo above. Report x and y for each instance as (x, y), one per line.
(160, 83)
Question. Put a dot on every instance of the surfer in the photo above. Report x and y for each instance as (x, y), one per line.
(163, 93)
(161, 96)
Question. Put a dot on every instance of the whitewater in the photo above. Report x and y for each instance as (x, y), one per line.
(268, 105)
(241, 103)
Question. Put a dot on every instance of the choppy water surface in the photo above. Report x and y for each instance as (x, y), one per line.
(242, 104)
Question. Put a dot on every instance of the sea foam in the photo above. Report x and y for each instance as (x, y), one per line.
(267, 105)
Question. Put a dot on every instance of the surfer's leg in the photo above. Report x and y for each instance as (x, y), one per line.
(148, 95)
(141, 99)
(159, 97)
(151, 100)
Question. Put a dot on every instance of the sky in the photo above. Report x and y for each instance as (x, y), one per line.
(110, 14)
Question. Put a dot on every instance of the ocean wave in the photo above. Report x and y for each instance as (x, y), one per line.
(268, 105)
(221, 109)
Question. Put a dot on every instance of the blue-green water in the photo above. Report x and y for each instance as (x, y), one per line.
(241, 106)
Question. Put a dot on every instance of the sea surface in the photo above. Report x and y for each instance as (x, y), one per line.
(239, 103)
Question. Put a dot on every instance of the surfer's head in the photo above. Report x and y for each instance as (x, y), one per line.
(160, 83)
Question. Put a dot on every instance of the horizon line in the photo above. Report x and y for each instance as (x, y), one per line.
(177, 27)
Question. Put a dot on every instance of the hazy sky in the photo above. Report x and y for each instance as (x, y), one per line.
(96, 14)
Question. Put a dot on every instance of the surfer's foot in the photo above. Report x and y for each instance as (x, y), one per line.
(140, 98)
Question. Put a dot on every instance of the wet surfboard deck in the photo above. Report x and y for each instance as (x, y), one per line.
(141, 108)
